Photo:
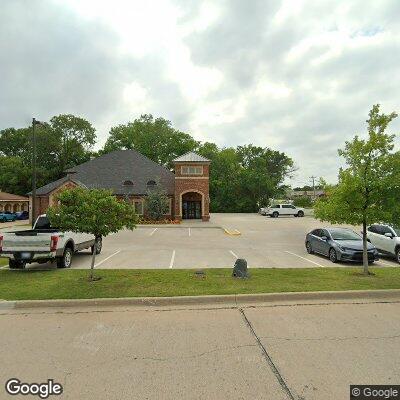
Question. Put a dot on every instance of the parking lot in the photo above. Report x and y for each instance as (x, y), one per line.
(264, 242)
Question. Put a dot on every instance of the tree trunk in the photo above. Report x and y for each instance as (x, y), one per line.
(365, 248)
(92, 266)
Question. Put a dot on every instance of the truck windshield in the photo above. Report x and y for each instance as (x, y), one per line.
(43, 223)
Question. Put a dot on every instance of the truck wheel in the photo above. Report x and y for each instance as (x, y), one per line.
(66, 260)
(16, 264)
(300, 214)
(275, 214)
(398, 255)
(98, 244)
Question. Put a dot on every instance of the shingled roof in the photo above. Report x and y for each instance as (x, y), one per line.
(191, 156)
(111, 170)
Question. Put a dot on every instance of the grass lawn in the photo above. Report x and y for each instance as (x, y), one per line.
(3, 261)
(73, 284)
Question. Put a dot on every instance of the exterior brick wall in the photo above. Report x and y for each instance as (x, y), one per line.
(192, 183)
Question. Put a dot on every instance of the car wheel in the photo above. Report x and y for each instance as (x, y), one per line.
(309, 248)
(275, 214)
(300, 214)
(398, 255)
(98, 244)
(333, 255)
(16, 264)
(66, 260)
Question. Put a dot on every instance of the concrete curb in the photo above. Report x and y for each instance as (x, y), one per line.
(233, 300)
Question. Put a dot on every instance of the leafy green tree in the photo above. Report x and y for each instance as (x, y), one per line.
(368, 188)
(63, 142)
(244, 178)
(75, 137)
(154, 138)
(303, 201)
(95, 211)
(157, 202)
(14, 176)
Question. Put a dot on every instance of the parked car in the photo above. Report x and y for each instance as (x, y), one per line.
(339, 244)
(284, 209)
(386, 239)
(44, 243)
(22, 215)
(7, 216)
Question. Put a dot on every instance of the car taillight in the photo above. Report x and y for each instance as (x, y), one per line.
(53, 243)
(1, 243)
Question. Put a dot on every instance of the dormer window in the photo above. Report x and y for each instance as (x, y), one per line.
(127, 183)
(151, 183)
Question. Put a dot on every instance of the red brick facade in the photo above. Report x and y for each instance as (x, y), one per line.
(192, 187)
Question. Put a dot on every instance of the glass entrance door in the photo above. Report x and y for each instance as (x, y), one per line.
(191, 209)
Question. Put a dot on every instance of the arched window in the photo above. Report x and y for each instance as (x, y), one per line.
(127, 183)
(151, 183)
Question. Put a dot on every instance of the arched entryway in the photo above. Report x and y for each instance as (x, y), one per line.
(192, 205)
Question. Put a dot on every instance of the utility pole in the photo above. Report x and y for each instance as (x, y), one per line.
(34, 123)
(313, 184)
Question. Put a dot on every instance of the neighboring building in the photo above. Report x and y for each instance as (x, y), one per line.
(130, 175)
(306, 193)
(13, 202)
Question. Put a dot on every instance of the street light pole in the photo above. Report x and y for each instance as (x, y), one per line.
(34, 123)
(33, 172)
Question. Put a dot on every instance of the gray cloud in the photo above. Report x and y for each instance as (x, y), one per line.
(58, 61)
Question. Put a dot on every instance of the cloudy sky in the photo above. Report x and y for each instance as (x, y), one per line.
(297, 76)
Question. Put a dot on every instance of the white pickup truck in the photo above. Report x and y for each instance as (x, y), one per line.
(44, 243)
(385, 238)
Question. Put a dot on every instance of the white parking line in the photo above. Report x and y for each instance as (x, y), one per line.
(107, 258)
(234, 255)
(171, 264)
(296, 255)
(189, 231)
(153, 231)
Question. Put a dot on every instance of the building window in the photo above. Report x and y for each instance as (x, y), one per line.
(127, 183)
(186, 170)
(151, 183)
(138, 207)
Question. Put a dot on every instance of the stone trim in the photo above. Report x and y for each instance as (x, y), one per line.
(192, 177)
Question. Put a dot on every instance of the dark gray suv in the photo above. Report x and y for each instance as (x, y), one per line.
(339, 244)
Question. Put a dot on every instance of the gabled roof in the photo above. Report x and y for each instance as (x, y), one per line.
(12, 197)
(111, 170)
(191, 156)
(46, 189)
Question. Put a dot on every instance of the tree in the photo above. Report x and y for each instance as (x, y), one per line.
(154, 138)
(368, 188)
(157, 202)
(14, 176)
(75, 137)
(303, 201)
(62, 143)
(96, 211)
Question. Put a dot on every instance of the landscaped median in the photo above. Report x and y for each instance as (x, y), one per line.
(74, 284)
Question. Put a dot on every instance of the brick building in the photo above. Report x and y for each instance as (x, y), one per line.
(130, 175)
